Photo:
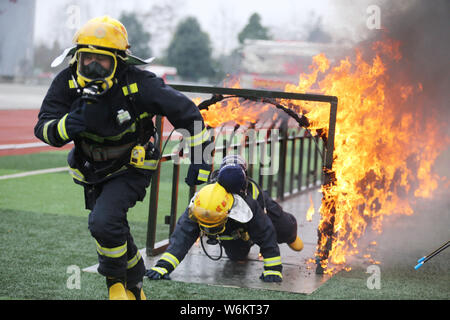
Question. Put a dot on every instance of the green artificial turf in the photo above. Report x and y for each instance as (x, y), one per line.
(38, 249)
(43, 231)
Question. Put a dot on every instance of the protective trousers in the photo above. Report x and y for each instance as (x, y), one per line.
(237, 249)
(118, 255)
(285, 223)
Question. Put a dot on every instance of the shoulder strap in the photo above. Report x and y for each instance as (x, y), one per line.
(129, 91)
(256, 191)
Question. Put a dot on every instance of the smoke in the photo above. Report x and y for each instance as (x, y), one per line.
(405, 239)
(422, 28)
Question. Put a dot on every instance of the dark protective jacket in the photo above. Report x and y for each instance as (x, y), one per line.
(103, 149)
(285, 223)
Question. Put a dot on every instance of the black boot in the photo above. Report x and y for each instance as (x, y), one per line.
(136, 292)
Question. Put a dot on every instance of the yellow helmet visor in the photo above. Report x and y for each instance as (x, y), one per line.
(95, 64)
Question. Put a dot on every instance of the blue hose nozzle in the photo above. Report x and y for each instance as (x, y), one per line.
(421, 259)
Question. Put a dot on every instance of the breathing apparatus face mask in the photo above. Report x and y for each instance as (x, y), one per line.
(94, 64)
(94, 70)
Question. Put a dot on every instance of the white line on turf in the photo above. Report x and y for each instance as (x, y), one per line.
(32, 173)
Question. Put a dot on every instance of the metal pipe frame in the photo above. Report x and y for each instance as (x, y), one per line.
(252, 94)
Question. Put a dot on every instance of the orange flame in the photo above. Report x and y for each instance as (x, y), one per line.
(238, 111)
(383, 155)
(311, 211)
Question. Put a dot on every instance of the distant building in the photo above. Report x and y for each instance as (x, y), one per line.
(271, 64)
(16, 38)
(168, 74)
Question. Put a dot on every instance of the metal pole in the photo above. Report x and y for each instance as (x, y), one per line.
(327, 231)
(251, 142)
(252, 93)
(300, 164)
(154, 192)
(282, 161)
(292, 173)
(308, 161)
(174, 202)
(316, 158)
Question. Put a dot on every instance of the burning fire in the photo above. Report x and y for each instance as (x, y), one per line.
(385, 142)
(382, 153)
(239, 111)
(311, 210)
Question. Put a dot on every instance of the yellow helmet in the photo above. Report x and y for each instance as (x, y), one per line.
(210, 208)
(97, 41)
(105, 37)
(103, 32)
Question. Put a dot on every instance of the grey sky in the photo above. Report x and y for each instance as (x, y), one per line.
(287, 19)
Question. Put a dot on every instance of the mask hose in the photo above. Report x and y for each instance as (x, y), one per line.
(204, 249)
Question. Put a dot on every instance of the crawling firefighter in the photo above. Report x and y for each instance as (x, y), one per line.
(235, 212)
(105, 105)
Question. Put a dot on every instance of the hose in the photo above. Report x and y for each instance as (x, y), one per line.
(206, 252)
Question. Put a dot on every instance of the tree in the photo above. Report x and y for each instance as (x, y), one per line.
(160, 20)
(138, 37)
(317, 34)
(190, 51)
(254, 30)
(43, 57)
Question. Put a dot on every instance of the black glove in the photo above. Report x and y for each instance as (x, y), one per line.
(271, 276)
(197, 174)
(72, 124)
(156, 273)
(164, 266)
(101, 119)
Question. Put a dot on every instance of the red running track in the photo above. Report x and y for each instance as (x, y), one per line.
(17, 127)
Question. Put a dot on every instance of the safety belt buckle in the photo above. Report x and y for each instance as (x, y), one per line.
(137, 156)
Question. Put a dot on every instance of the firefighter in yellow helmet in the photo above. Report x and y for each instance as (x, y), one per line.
(232, 175)
(236, 221)
(211, 208)
(105, 105)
